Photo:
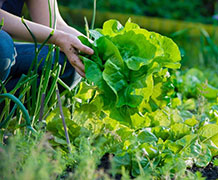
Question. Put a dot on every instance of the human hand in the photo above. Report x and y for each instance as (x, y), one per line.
(70, 45)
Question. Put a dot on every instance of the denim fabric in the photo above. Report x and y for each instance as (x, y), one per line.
(7, 54)
(24, 58)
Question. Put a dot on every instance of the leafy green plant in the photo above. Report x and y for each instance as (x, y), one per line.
(153, 121)
(194, 83)
(127, 64)
(24, 158)
(135, 108)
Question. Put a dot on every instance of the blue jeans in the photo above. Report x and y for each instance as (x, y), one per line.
(16, 59)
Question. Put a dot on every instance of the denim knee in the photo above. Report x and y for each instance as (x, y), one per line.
(7, 54)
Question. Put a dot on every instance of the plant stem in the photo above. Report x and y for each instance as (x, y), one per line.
(42, 107)
(94, 15)
(63, 120)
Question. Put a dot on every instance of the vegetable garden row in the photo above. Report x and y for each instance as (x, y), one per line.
(135, 116)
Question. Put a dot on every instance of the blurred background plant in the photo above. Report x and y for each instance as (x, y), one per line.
(190, 10)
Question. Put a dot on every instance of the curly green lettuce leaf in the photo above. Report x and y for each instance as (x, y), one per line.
(135, 49)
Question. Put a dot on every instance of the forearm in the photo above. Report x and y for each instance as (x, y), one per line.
(64, 36)
(14, 26)
(41, 15)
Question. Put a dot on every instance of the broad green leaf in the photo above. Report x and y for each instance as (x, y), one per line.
(122, 87)
(55, 125)
(178, 130)
(186, 115)
(215, 162)
(173, 163)
(160, 132)
(204, 156)
(189, 104)
(114, 78)
(93, 73)
(187, 140)
(149, 150)
(112, 28)
(122, 114)
(129, 97)
(85, 92)
(191, 82)
(175, 116)
(126, 145)
(147, 90)
(139, 166)
(167, 51)
(130, 26)
(88, 111)
(197, 75)
(135, 49)
(210, 132)
(214, 139)
(111, 124)
(96, 34)
(196, 151)
(95, 57)
(170, 51)
(60, 141)
(124, 132)
(175, 102)
(135, 63)
(213, 147)
(139, 121)
(122, 160)
(173, 146)
(191, 121)
(159, 118)
(108, 50)
(145, 136)
(208, 91)
(157, 95)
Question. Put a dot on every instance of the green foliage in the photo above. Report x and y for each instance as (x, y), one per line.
(29, 159)
(154, 121)
(193, 10)
(133, 108)
(194, 82)
(128, 62)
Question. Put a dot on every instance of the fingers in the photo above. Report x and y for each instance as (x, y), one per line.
(80, 72)
(77, 64)
(82, 47)
(70, 46)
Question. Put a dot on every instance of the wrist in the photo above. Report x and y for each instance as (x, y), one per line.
(57, 37)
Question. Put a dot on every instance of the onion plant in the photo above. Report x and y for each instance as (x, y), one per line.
(31, 87)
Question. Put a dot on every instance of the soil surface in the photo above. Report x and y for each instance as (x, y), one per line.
(210, 172)
(106, 165)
